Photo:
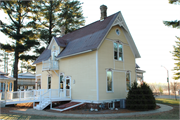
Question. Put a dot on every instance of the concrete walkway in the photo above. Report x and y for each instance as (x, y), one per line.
(39, 112)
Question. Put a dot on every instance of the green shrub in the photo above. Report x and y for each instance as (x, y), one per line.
(140, 98)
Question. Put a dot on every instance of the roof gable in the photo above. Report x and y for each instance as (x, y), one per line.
(89, 38)
(121, 22)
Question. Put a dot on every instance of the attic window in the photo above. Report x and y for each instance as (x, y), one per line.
(118, 51)
(117, 31)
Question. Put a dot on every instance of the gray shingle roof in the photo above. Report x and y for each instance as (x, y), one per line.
(83, 39)
(45, 55)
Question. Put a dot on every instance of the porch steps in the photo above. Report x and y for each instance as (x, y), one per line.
(68, 106)
(43, 104)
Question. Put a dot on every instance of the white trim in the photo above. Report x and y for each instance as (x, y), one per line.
(112, 82)
(128, 42)
(68, 107)
(55, 72)
(68, 77)
(97, 76)
(116, 70)
(129, 81)
(51, 43)
(118, 30)
(94, 101)
(47, 81)
(121, 22)
(75, 54)
(36, 81)
(114, 40)
(118, 52)
(61, 74)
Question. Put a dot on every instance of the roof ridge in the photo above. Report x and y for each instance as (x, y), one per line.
(88, 25)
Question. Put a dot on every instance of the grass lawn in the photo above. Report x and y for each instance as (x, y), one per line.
(173, 114)
(168, 101)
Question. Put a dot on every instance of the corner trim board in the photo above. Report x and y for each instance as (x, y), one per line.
(97, 76)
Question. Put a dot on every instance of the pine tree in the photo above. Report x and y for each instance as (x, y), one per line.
(55, 13)
(176, 52)
(176, 55)
(20, 29)
(175, 23)
(71, 16)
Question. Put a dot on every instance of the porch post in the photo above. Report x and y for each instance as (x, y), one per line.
(6, 91)
(8, 86)
(12, 86)
(3, 87)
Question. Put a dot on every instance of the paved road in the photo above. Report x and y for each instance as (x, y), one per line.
(167, 96)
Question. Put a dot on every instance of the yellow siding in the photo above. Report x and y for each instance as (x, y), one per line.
(112, 35)
(43, 76)
(106, 60)
(82, 69)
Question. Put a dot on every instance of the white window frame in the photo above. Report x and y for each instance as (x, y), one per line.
(39, 75)
(118, 51)
(48, 82)
(129, 80)
(119, 31)
(107, 82)
(61, 74)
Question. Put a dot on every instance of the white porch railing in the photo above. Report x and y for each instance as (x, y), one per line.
(38, 95)
(50, 65)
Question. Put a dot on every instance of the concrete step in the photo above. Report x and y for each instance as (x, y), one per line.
(67, 105)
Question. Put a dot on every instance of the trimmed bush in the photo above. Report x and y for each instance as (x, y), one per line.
(140, 97)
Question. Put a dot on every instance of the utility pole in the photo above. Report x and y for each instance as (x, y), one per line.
(167, 79)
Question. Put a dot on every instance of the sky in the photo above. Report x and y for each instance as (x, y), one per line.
(144, 19)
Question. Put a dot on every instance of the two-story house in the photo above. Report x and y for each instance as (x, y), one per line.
(96, 63)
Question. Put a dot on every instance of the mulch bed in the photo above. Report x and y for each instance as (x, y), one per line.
(7, 109)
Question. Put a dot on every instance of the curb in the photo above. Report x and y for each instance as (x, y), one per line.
(162, 108)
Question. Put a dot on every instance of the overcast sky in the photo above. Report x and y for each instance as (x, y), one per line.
(144, 19)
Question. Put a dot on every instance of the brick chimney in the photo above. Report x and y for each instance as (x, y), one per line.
(62, 28)
(103, 9)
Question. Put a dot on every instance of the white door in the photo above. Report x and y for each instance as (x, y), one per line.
(67, 86)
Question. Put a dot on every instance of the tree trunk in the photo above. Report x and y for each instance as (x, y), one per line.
(50, 22)
(15, 72)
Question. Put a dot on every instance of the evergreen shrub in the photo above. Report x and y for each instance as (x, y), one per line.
(140, 97)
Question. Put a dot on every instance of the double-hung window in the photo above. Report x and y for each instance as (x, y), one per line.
(109, 81)
(61, 82)
(118, 51)
(49, 82)
(128, 80)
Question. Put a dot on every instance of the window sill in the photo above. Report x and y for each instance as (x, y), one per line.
(118, 60)
(109, 91)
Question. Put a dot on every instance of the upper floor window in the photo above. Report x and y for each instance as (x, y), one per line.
(118, 52)
(128, 80)
(109, 81)
(117, 31)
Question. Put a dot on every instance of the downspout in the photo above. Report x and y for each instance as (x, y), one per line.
(97, 76)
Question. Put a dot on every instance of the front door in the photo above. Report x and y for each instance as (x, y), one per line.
(38, 83)
(67, 86)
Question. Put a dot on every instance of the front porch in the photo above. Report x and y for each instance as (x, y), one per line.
(35, 96)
